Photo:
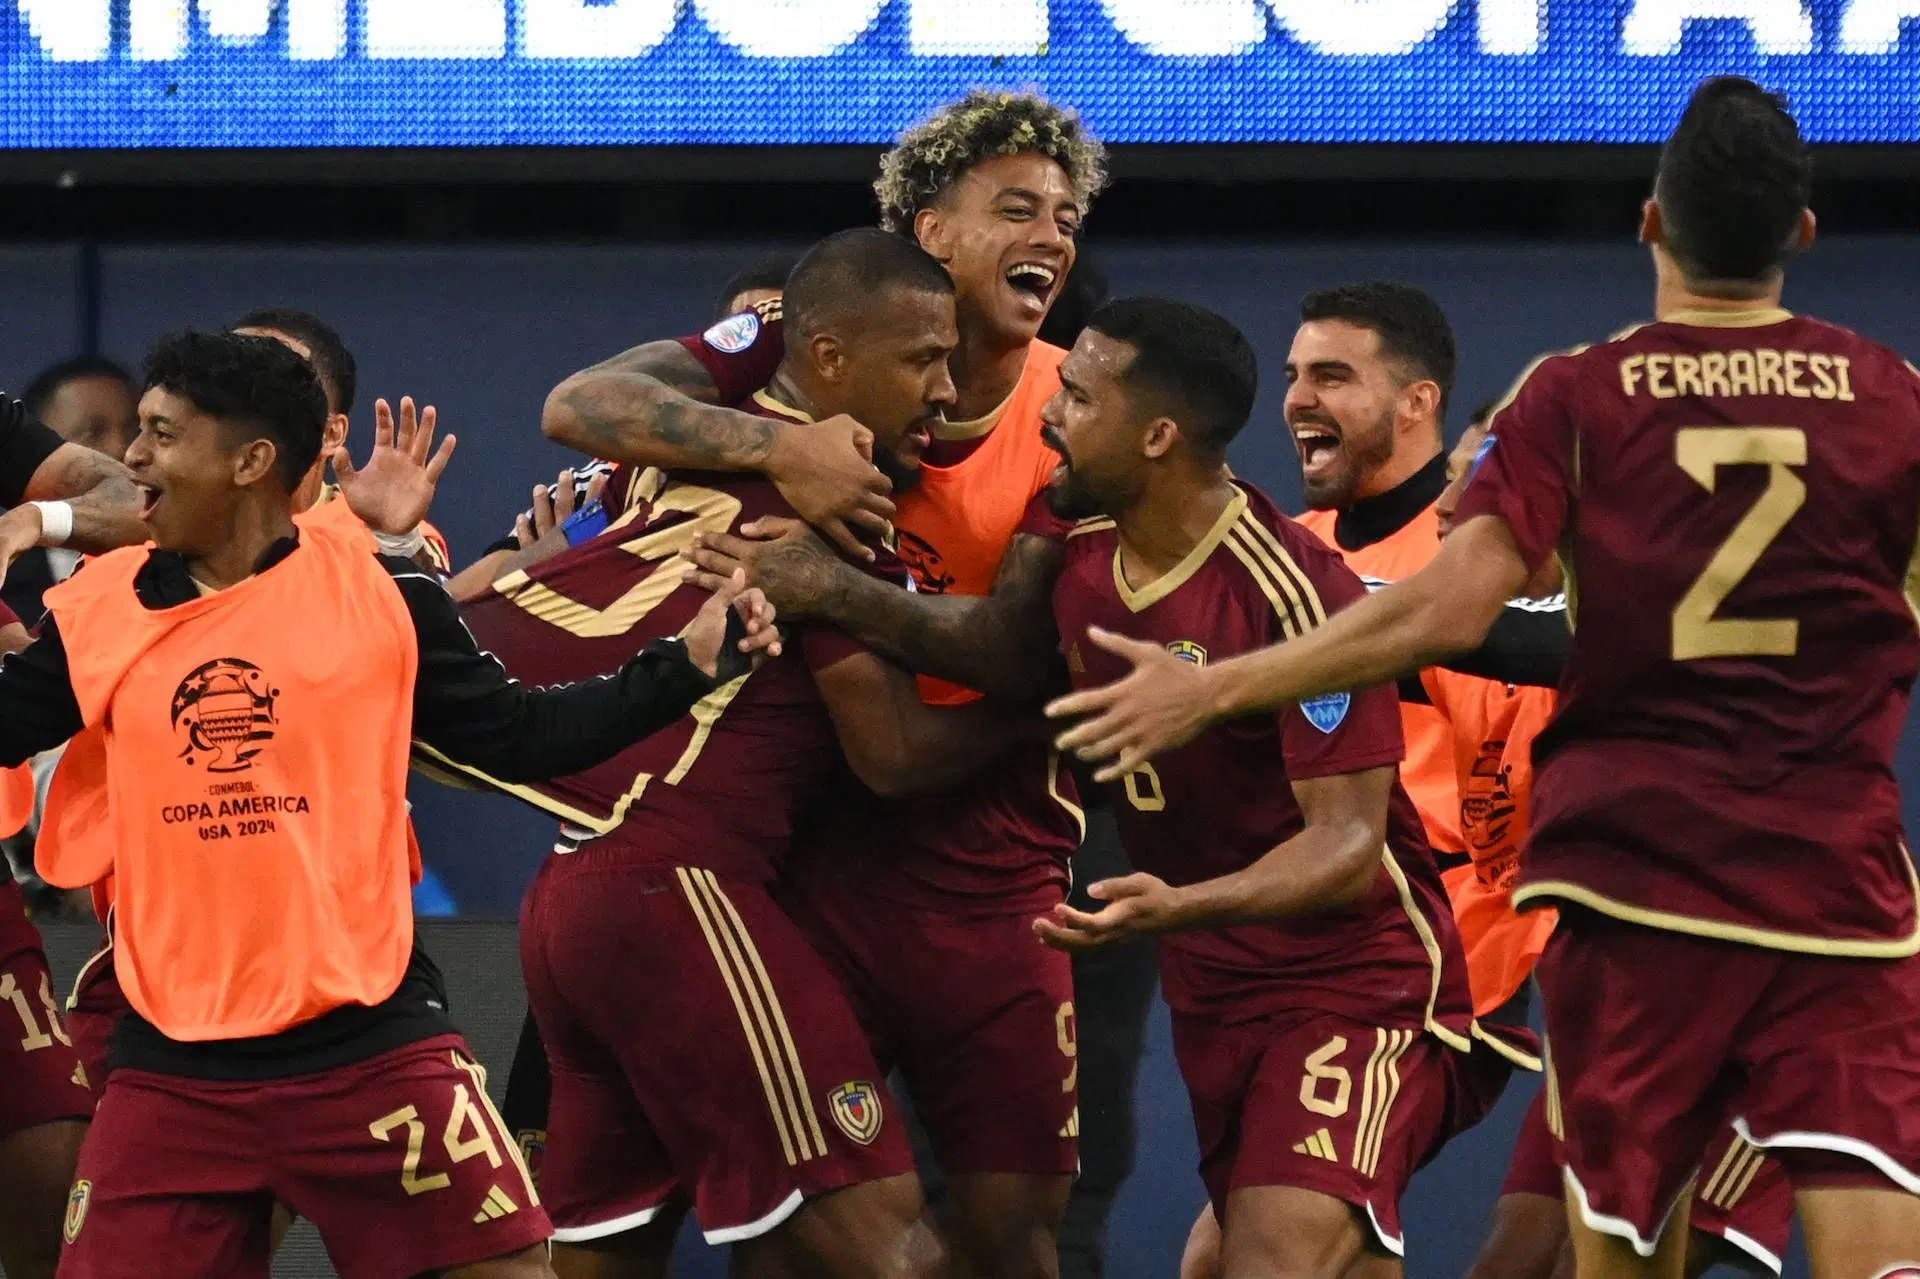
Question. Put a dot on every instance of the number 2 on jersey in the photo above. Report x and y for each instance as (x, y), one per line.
(1701, 452)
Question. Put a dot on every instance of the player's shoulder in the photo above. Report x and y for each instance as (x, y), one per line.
(1262, 522)
(738, 333)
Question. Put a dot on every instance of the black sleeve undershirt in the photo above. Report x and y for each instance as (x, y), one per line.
(24, 444)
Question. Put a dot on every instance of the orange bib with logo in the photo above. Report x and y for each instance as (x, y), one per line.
(955, 524)
(254, 744)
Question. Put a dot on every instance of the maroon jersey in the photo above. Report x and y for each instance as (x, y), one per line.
(719, 788)
(1737, 500)
(1224, 801)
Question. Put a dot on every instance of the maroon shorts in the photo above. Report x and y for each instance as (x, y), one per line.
(399, 1160)
(976, 1015)
(93, 1010)
(1325, 1103)
(43, 1078)
(698, 1047)
(1812, 1056)
(1741, 1196)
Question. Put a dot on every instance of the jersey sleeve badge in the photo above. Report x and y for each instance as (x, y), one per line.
(1326, 711)
(734, 334)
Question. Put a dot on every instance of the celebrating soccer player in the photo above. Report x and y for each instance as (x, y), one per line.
(1733, 489)
(288, 1040)
(994, 186)
(745, 1087)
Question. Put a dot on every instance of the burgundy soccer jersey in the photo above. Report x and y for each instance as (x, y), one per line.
(1737, 500)
(1224, 801)
(719, 788)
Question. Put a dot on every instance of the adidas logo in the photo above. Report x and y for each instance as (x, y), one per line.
(499, 1204)
(1072, 1126)
(1320, 1146)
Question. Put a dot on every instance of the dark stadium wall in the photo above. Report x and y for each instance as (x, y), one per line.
(483, 333)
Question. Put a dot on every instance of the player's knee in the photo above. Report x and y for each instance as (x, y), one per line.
(1007, 1226)
(874, 1230)
(1280, 1232)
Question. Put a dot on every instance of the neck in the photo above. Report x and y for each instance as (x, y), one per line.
(1401, 467)
(985, 371)
(1674, 292)
(308, 494)
(786, 388)
(1176, 510)
(253, 527)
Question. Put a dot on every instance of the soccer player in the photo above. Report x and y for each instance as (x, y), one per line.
(288, 1040)
(1743, 539)
(994, 186)
(745, 1087)
(1321, 1010)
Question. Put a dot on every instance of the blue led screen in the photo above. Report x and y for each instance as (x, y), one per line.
(382, 73)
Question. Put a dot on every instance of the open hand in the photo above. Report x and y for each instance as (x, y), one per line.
(1136, 905)
(392, 492)
(706, 635)
(825, 471)
(1160, 705)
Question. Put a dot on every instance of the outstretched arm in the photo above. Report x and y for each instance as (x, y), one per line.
(653, 406)
(895, 742)
(1446, 607)
(1331, 863)
(1001, 644)
(105, 501)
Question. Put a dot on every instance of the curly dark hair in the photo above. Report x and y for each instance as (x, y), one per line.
(940, 150)
(252, 386)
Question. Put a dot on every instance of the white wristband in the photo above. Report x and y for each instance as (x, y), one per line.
(56, 523)
(406, 545)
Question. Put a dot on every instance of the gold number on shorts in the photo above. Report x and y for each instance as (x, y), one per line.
(1701, 452)
(410, 1179)
(1064, 1032)
(35, 1037)
(465, 1113)
(1144, 791)
(1320, 1068)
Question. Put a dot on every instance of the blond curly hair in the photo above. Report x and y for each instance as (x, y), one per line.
(939, 151)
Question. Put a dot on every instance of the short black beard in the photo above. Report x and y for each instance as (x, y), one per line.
(903, 476)
(1071, 500)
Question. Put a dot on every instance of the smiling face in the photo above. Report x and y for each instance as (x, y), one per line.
(1343, 402)
(1005, 232)
(192, 472)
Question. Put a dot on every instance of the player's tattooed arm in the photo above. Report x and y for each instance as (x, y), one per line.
(895, 743)
(1331, 863)
(654, 406)
(1001, 644)
(105, 500)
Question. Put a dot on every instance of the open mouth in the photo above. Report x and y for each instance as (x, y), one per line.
(1033, 281)
(149, 498)
(1319, 446)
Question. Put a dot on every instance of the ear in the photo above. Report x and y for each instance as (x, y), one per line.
(254, 462)
(1420, 401)
(1651, 229)
(930, 229)
(829, 356)
(1162, 434)
(334, 434)
(1803, 238)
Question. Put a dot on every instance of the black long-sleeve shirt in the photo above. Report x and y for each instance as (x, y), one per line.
(464, 705)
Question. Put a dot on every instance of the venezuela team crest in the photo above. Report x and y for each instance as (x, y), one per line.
(1188, 651)
(77, 1208)
(856, 1109)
